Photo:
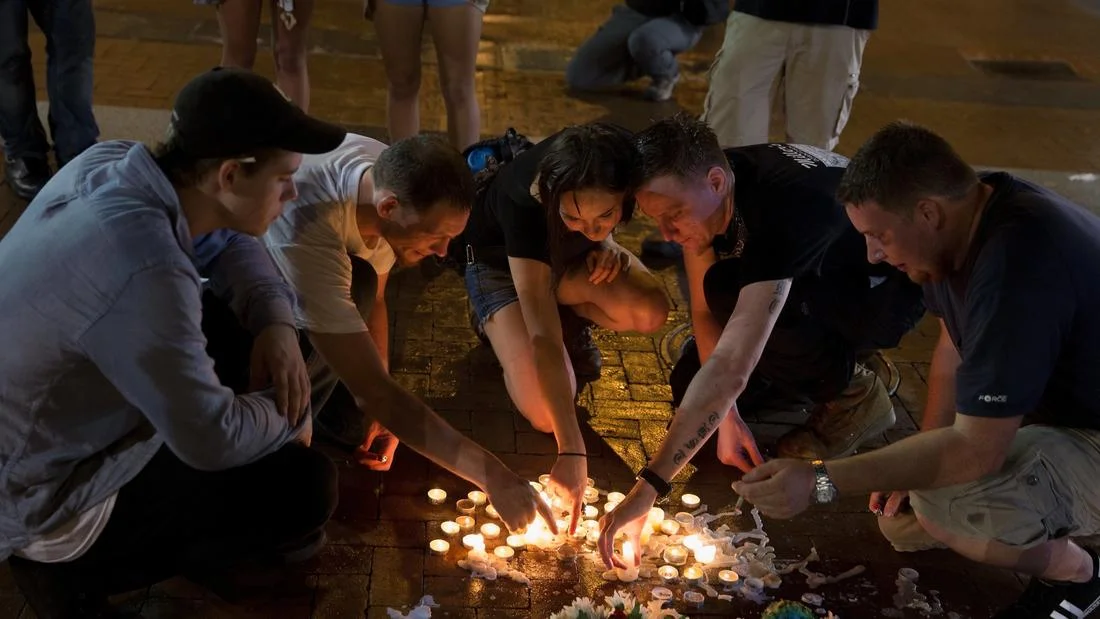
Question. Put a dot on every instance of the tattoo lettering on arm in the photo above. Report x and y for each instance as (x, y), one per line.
(777, 297)
(700, 435)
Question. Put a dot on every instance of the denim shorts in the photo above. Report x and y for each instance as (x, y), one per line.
(490, 289)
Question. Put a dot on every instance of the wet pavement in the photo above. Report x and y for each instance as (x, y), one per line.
(939, 63)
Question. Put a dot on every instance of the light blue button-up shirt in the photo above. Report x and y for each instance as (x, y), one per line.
(103, 359)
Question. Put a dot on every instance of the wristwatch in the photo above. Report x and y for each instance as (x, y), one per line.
(662, 487)
(824, 489)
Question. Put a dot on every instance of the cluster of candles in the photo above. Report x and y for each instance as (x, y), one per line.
(538, 534)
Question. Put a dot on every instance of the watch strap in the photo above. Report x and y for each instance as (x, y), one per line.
(662, 487)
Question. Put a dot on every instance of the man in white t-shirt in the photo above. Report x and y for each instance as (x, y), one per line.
(360, 209)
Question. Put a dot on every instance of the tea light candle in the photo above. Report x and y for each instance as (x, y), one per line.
(544, 480)
(692, 542)
(591, 512)
(439, 546)
(693, 574)
(491, 511)
(466, 523)
(478, 497)
(728, 577)
(590, 483)
(592, 536)
(694, 598)
(592, 525)
(686, 520)
(705, 554)
(436, 496)
(473, 540)
(490, 530)
(450, 527)
(675, 555)
(536, 485)
(690, 501)
(607, 507)
(504, 552)
(515, 541)
(670, 527)
(466, 506)
(627, 574)
(668, 573)
(591, 495)
(615, 497)
(478, 554)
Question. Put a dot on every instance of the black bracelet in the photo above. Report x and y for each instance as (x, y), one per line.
(572, 453)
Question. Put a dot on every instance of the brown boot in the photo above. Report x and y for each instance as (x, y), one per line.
(837, 428)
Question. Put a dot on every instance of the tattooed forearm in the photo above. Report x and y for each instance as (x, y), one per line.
(697, 440)
(777, 296)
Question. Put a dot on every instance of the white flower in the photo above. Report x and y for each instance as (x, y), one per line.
(653, 610)
(621, 600)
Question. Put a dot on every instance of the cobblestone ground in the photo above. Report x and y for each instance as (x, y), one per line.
(924, 63)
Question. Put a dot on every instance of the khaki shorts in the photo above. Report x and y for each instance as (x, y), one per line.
(1047, 489)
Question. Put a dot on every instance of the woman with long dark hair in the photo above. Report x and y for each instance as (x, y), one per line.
(542, 268)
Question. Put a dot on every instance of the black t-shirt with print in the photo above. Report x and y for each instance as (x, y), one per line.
(508, 220)
(1024, 310)
(787, 214)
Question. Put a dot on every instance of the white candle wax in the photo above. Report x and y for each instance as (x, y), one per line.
(591, 483)
(592, 536)
(615, 497)
(670, 527)
(504, 552)
(491, 511)
(692, 542)
(590, 511)
(466, 523)
(450, 527)
(478, 497)
(436, 496)
(690, 501)
(656, 515)
(473, 540)
(439, 546)
(629, 573)
(607, 507)
(705, 554)
(490, 530)
(536, 485)
(515, 541)
(544, 480)
(667, 572)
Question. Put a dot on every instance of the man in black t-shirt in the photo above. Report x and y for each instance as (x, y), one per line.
(782, 300)
(1004, 469)
(771, 217)
(813, 49)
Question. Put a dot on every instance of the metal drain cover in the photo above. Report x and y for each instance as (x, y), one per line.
(1045, 70)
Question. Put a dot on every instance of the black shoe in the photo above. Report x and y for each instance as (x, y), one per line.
(53, 597)
(27, 176)
(585, 356)
(1057, 600)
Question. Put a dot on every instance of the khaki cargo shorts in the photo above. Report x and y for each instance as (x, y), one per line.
(1048, 488)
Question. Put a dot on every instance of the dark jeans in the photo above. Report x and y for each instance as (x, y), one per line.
(172, 519)
(825, 324)
(69, 26)
(175, 520)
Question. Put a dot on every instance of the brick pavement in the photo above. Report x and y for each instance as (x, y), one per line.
(917, 66)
